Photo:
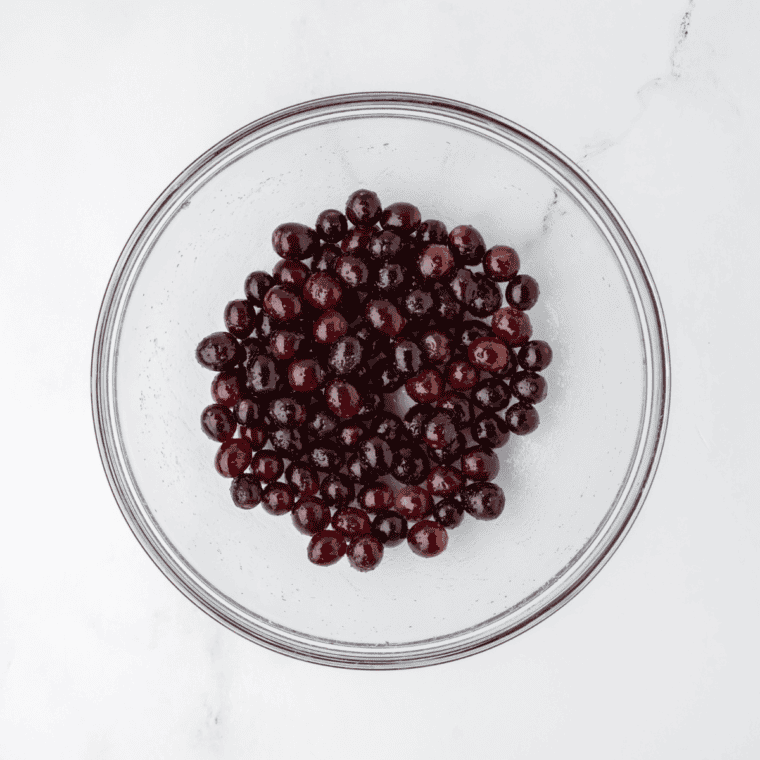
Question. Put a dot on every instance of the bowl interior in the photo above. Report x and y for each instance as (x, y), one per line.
(566, 483)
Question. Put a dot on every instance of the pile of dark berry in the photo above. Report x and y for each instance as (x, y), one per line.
(313, 354)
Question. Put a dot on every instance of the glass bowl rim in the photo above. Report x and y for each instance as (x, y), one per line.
(431, 651)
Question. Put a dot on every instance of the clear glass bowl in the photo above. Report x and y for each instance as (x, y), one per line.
(573, 487)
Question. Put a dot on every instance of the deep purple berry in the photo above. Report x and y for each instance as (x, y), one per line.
(427, 538)
(305, 375)
(238, 318)
(376, 497)
(227, 388)
(377, 454)
(371, 404)
(436, 262)
(289, 442)
(322, 291)
(282, 304)
(336, 490)
(512, 325)
(439, 429)
(459, 407)
(357, 242)
(326, 548)
(521, 418)
(329, 327)
(321, 423)
(248, 412)
(233, 457)
(501, 263)
(311, 515)
(461, 375)
(218, 422)
(263, 326)
(431, 231)
(359, 471)
(245, 491)
(326, 457)
(413, 502)
(491, 395)
(426, 386)
(251, 347)
(436, 347)
(262, 376)
(365, 553)
(444, 480)
(470, 330)
(349, 435)
(277, 499)
(389, 379)
(467, 244)
(418, 304)
(256, 436)
(219, 351)
(303, 479)
(331, 225)
(484, 501)
(535, 355)
(486, 297)
(351, 522)
(345, 355)
(463, 286)
(449, 453)
(529, 387)
(287, 412)
(446, 307)
(363, 208)
(352, 271)
(389, 426)
(491, 355)
(490, 430)
(410, 464)
(256, 286)
(325, 260)
(389, 527)
(480, 464)
(267, 465)
(385, 317)
(401, 218)
(384, 246)
(342, 398)
(285, 344)
(291, 274)
(407, 358)
(448, 512)
(416, 418)
(390, 278)
(295, 241)
(522, 292)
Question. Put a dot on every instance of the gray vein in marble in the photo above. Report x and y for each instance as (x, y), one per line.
(703, 81)
(591, 150)
(683, 33)
(676, 63)
(546, 221)
(211, 731)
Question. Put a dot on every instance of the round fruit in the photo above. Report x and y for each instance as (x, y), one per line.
(427, 538)
(326, 548)
(484, 501)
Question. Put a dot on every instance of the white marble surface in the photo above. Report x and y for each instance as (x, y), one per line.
(103, 104)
